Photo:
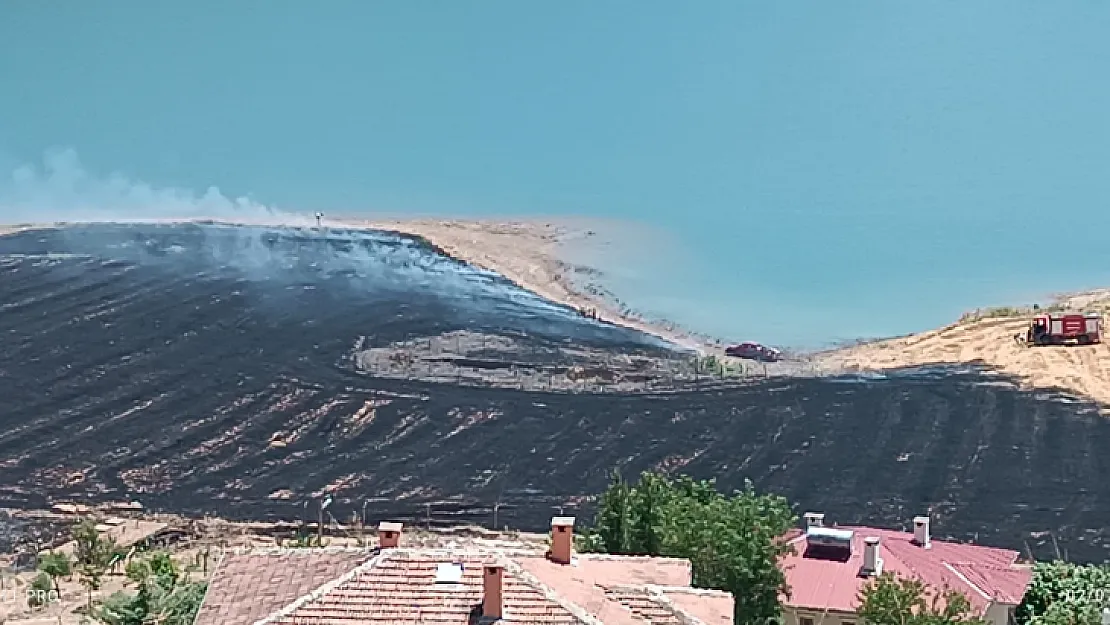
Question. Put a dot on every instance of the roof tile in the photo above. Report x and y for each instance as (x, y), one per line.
(401, 587)
(394, 586)
(247, 587)
(644, 606)
(712, 607)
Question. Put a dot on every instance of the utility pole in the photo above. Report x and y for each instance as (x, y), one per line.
(320, 522)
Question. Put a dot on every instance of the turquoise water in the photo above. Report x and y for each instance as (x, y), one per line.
(814, 171)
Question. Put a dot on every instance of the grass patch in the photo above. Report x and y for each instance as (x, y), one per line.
(1007, 312)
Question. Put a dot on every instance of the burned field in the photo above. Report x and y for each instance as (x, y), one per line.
(211, 369)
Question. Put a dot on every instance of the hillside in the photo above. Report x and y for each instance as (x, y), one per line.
(149, 371)
(988, 340)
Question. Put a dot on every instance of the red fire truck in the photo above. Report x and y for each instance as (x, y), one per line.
(1065, 329)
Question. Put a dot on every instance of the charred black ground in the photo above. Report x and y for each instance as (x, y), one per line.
(206, 368)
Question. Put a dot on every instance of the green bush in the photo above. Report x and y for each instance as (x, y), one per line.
(165, 595)
(1063, 593)
(890, 600)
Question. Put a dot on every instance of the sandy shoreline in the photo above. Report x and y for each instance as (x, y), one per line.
(530, 253)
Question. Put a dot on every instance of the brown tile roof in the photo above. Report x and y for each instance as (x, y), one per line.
(398, 586)
(712, 607)
(662, 605)
(645, 570)
(247, 587)
(644, 606)
(578, 584)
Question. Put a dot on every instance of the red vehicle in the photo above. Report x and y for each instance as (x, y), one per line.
(1065, 329)
(754, 351)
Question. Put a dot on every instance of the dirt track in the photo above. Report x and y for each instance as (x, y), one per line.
(199, 391)
(1084, 370)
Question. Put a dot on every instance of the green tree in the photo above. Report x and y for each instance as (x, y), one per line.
(56, 565)
(613, 520)
(94, 554)
(732, 541)
(648, 506)
(890, 600)
(1062, 593)
(164, 595)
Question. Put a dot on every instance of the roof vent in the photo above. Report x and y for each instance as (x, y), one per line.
(814, 519)
(921, 531)
(449, 573)
(872, 557)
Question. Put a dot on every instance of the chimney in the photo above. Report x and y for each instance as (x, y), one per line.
(389, 534)
(814, 519)
(921, 531)
(491, 591)
(562, 539)
(872, 558)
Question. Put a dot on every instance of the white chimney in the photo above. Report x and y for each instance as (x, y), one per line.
(814, 519)
(872, 558)
(921, 531)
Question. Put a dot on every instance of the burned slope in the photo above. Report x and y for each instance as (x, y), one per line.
(203, 369)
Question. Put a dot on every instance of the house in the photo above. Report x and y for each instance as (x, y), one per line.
(831, 565)
(396, 584)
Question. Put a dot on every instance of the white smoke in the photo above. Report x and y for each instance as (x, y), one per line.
(62, 190)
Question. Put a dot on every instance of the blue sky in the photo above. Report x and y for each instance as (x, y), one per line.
(829, 169)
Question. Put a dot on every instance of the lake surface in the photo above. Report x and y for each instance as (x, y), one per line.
(812, 172)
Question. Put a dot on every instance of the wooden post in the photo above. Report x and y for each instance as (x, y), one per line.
(362, 527)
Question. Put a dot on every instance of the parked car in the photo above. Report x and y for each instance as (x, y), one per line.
(754, 351)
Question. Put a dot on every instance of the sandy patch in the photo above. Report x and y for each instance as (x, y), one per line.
(1084, 370)
(531, 254)
(12, 229)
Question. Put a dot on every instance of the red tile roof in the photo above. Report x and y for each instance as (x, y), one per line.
(712, 607)
(1006, 584)
(397, 586)
(983, 574)
(248, 587)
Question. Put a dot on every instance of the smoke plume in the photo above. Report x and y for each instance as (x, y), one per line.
(61, 190)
